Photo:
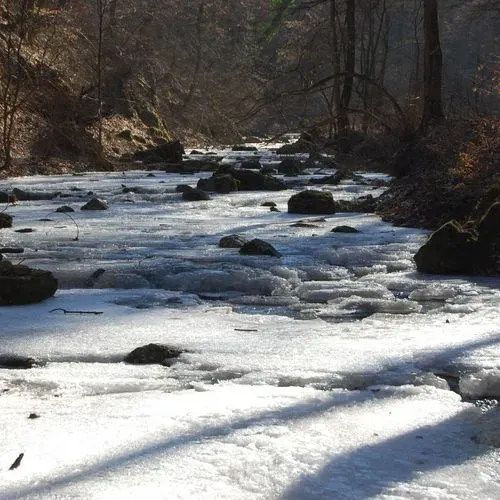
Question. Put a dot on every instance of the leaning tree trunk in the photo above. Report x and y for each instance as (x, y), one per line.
(433, 66)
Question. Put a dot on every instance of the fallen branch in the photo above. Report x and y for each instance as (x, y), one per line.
(67, 311)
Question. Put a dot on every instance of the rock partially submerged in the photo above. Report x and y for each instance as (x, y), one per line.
(232, 241)
(95, 204)
(312, 202)
(259, 247)
(5, 221)
(195, 194)
(153, 354)
(14, 361)
(22, 285)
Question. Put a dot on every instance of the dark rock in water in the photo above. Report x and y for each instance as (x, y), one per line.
(195, 152)
(364, 204)
(274, 209)
(220, 183)
(249, 180)
(449, 250)
(170, 152)
(232, 241)
(268, 170)
(153, 354)
(22, 195)
(312, 202)
(225, 183)
(344, 229)
(95, 204)
(11, 250)
(65, 209)
(259, 247)
(23, 285)
(25, 230)
(290, 166)
(243, 147)
(182, 188)
(251, 164)
(7, 198)
(331, 180)
(13, 361)
(268, 204)
(308, 142)
(5, 221)
(195, 194)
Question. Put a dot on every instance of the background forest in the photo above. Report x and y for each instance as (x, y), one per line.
(84, 80)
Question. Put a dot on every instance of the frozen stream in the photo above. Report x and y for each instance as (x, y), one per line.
(324, 373)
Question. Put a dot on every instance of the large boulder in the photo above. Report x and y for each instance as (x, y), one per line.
(290, 166)
(23, 285)
(22, 195)
(220, 183)
(449, 250)
(170, 152)
(312, 202)
(256, 181)
(153, 354)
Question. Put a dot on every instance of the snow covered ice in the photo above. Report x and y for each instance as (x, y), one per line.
(324, 373)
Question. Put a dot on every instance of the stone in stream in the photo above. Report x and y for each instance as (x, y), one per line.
(259, 247)
(5, 221)
(153, 354)
(95, 204)
(232, 241)
(195, 194)
(312, 202)
(344, 229)
(22, 285)
(65, 209)
(13, 361)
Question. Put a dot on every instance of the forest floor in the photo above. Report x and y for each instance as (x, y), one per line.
(451, 173)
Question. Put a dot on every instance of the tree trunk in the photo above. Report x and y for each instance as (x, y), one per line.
(350, 59)
(433, 65)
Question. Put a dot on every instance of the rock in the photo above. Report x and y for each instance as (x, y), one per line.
(95, 204)
(182, 188)
(25, 230)
(22, 195)
(449, 250)
(170, 152)
(23, 285)
(243, 147)
(331, 180)
(290, 166)
(11, 250)
(312, 202)
(232, 241)
(268, 204)
(224, 183)
(65, 209)
(153, 354)
(344, 229)
(195, 194)
(14, 361)
(259, 247)
(7, 198)
(5, 220)
(268, 170)
(251, 164)
(364, 204)
(250, 180)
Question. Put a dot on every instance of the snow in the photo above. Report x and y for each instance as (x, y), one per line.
(321, 374)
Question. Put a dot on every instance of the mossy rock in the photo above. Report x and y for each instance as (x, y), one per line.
(312, 202)
(449, 250)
